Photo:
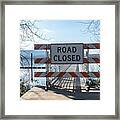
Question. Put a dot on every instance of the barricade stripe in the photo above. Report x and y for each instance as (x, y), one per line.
(85, 46)
(85, 74)
(67, 74)
(41, 46)
(97, 74)
(97, 60)
(85, 60)
(38, 60)
(91, 74)
(73, 74)
(37, 74)
(97, 45)
(91, 46)
(48, 61)
(60, 74)
(42, 60)
(37, 46)
(49, 74)
(55, 74)
(93, 60)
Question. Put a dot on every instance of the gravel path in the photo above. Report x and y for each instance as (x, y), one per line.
(40, 94)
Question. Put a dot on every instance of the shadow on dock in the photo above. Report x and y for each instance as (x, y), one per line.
(77, 95)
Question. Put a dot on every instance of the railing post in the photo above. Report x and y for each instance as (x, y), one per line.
(78, 83)
(31, 67)
(47, 68)
(87, 68)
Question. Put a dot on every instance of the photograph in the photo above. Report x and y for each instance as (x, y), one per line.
(59, 59)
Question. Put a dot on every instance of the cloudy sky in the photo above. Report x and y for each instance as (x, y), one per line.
(60, 31)
(71, 30)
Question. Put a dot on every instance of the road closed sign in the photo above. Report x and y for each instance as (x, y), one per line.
(67, 53)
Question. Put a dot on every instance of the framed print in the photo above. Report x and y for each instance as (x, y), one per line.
(60, 60)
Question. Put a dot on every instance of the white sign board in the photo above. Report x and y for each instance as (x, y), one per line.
(67, 53)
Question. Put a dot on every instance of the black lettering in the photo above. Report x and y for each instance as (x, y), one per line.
(69, 58)
(69, 50)
(73, 57)
(74, 49)
(64, 58)
(59, 58)
(59, 49)
(64, 49)
(55, 58)
(77, 58)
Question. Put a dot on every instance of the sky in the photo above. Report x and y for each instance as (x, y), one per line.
(62, 31)
(69, 30)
